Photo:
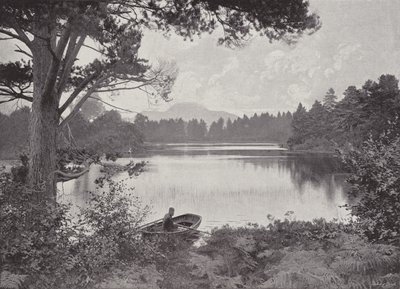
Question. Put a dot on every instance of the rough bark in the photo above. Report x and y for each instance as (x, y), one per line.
(44, 121)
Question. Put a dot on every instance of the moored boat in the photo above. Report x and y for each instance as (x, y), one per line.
(186, 226)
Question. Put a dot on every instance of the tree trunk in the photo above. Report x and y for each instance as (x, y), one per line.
(43, 124)
(43, 145)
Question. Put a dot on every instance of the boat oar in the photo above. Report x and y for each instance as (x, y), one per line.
(148, 224)
(188, 228)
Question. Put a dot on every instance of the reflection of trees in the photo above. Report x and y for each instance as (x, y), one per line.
(315, 169)
(318, 170)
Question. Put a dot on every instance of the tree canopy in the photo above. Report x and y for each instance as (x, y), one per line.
(361, 113)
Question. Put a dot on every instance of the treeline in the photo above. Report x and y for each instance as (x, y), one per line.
(263, 127)
(362, 112)
(107, 133)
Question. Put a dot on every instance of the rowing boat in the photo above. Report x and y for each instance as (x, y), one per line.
(186, 226)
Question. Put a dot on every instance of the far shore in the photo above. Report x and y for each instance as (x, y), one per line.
(10, 161)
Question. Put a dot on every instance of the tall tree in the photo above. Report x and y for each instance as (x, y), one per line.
(140, 124)
(330, 99)
(300, 126)
(53, 33)
(317, 122)
(216, 131)
(196, 130)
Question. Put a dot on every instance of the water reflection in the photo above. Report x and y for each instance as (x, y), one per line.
(234, 186)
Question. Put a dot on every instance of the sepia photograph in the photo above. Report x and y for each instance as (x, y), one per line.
(199, 144)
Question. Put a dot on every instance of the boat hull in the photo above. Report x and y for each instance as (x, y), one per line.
(190, 221)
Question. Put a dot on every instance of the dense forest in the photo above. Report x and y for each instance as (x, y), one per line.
(361, 113)
(264, 127)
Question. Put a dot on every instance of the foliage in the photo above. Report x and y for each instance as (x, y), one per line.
(41, 240)
(14, 132)
(15, 77)
(330, 100)
(107, 134)
(134, 276)
(196, 130)
(316, 144)
(295, 254)
(299, 125)
(375, 186)
(263, 127)
(350, 121)
(11, 281)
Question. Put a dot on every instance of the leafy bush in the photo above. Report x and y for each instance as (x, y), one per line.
(42, 241)
(375, 187)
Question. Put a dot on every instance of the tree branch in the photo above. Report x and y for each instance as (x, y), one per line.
(122, 88)
(52, 73)
(7, 100)
(69, 176)
(12, 93)
(76, 92)
(92, 48)
(82, 101)
(12, 35)
(114, 106)
(22, 36)
(20, 50)
(72, 52)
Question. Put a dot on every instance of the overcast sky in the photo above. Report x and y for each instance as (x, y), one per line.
(359, 40)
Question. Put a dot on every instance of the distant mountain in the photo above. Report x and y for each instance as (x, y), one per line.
(188, 111)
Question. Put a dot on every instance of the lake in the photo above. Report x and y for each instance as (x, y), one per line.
(230, 183)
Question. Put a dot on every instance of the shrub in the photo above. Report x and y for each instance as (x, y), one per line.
(297, 254)
(42, 241)
(375, 187)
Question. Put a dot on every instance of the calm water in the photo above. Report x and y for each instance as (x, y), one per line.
(230, 183)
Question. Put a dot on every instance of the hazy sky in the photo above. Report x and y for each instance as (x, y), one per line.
(359, 40)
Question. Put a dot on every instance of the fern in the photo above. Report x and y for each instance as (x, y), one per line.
(304, 269)
(245, 245)
(362, 265)
(367, 260)
(11, 281)
(390, 281)
(207, 267)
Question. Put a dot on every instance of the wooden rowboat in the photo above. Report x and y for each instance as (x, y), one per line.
(187, 225)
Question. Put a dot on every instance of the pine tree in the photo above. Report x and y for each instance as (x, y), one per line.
(330, 100)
